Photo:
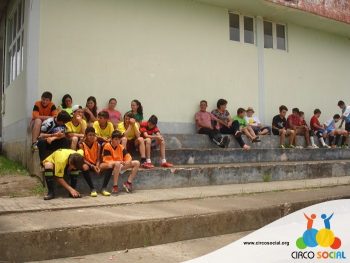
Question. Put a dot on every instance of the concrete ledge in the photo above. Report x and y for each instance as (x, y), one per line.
(179, 141)
(77, 232)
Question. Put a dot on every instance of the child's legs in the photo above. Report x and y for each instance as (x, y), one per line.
(87, 177)
(282, 136)
(74, 142)
(148, 144)
(116, 171)
(134, 165)
(161, 143)
(251, 131)
(292, 135)
(36, 129)
(139, 142)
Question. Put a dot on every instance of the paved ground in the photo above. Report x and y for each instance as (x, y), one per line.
(172, 252)
(32, 204)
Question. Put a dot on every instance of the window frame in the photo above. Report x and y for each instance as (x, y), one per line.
(14, 48)
(241, 28)
(274, 35)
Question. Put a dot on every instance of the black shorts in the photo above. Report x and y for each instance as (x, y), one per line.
(347, 126)
(275, 131)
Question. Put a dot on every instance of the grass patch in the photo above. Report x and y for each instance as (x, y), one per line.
(8, 167)
(38, 190)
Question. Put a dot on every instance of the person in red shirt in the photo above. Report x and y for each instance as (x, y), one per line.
(294, 123)
(42, 110)
(317, 128)
(150, 132)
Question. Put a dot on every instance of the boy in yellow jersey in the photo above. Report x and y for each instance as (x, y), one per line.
(92, 150)
(103, 127)
(57, 165)
(76, 127)
(132, 138)
(116, 159)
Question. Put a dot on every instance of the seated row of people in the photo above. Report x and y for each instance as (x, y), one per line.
(219, 122)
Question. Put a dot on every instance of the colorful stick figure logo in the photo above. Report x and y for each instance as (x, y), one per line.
(323, 237)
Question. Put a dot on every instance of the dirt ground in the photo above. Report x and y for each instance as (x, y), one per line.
(19, 185)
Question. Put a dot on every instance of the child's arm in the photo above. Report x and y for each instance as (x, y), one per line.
(66, 186)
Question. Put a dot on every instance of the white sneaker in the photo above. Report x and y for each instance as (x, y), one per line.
(299, 147)
(315, 146)
(326, 146)
(310, 147)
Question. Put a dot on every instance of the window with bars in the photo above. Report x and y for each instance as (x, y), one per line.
(14, 42)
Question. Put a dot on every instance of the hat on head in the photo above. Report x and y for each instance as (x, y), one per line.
(76, 107)
(250, 109)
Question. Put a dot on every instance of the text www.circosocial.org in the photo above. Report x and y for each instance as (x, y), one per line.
(266, 243)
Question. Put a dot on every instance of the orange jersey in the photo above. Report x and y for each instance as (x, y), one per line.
(91, 153)
(39, 110)
(115, 154)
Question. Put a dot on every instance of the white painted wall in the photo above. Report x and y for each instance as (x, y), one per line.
(314, 73)
(168, 54)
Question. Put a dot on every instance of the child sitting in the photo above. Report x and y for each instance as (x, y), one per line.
(42, 110)
(76, 127)
(294, 123)
(103, 127)
(316, 128)
(92, 150)
(115, 159)
(279, 127)
(150, 132)
(254, 122)
(204, 122)
(244, 127)
(56, 165)
(52, 136)
(333, 132)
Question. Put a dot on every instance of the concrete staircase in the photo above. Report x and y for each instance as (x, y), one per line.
(209, 192)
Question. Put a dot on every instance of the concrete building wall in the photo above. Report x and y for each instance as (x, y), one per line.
(314, 73)
(167, 54)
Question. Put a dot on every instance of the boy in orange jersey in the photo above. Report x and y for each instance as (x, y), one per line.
(116, 159)
(92, 150)
(42, 110)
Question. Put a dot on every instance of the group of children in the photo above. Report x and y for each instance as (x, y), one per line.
(73, 139)
(219, 122)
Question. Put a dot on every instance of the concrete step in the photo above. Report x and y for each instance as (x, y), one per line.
(77, 232)
(219, 155)
(221, 174)
(170, 253)
(198, 141)
(37, 204)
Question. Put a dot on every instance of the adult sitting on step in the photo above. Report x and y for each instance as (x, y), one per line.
(226, 124)
(204, 123)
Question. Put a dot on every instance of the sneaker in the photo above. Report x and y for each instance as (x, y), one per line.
(326, 146)
(310, 147)
(299, 147)
(127, 187)
(226, 141)
(104, 192)
(93, 193)
(146, 165)
(315, 146)
(115, 190)
(257, 139)
(49, 196)
(282, 146)
(291, 146)
(167, 165)
(35, 146)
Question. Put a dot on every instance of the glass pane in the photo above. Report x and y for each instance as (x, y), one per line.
(268, 40)
(13, 58)
(19, 22)
(22, 39)
(14, 26)
(18, 56)
(249, 30)
(281, 37)
(234, 27)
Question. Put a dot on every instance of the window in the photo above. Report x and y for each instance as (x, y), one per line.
(274, 35)
(248, 30)
(234, 27)
(242, 26)
(14, 43)
(281, 37)
(268, 40)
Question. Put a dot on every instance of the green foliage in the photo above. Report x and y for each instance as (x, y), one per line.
(8, 167)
